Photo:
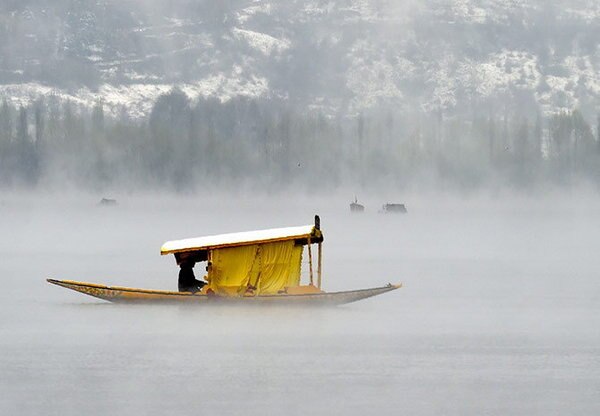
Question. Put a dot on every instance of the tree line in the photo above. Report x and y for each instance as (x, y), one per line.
(187, 146)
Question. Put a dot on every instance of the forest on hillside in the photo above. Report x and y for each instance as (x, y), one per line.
(186, 146)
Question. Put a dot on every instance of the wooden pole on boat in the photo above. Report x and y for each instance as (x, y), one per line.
(310, 261)
(317, 227)
(319, 265)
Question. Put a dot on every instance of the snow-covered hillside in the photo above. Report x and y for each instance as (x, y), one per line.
(338, 55)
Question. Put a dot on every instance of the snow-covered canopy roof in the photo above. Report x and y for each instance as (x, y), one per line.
(303, 232)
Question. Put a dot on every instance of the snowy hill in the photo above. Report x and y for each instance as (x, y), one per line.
(339, 56)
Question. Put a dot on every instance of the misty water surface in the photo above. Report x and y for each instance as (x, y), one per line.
(499, 313)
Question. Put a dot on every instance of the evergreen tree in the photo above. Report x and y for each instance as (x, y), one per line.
(522, 141)
(98, 118)
(360, 132)
(522, 154)
(99, 147)
(169, 126)
(6, 123)
(583, 141)
(598, 131)
(27, 162)
(6, 148)
(537, 137)
(39, 125)
(22, 128)
(492, 140)
(561, 129)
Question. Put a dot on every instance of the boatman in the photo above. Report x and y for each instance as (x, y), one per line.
(187, 280)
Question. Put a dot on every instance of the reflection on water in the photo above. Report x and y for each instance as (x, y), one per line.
(498, 314)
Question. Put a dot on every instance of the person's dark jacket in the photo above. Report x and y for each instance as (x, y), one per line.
(187, 280)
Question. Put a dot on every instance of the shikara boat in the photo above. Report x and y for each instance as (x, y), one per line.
(355, 207)
(256, 267)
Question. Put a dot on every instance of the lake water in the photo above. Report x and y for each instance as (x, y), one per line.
(499, 313)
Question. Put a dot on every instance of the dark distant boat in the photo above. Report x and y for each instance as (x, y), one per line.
(107, 202)
(256, 267)
(356, 207)
(394, 209)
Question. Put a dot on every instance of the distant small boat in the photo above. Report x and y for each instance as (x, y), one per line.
(356, 207)
(394, 209)
(256, 267)
(107, 202)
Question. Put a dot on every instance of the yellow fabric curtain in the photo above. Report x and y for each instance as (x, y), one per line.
(280, 266)
(231, 268)
(268, 267)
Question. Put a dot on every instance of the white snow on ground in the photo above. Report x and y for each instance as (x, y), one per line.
(499, 72)
(371, 77)
(258, 7)
(563, 92)
(560, 97)
(137, 99)
(364, 8)
(443, 83)
(177, 22)
(465, 10)
(482, 11)
(557, 83)
(95, 48)
(26, 94)
(262, 42)
(377, 70)
(583, 70)
(140, 78)
(503, 69)
(313, 9)
(227, 86)
(586, 10)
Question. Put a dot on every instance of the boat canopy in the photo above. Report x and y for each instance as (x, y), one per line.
(258, 262)
(300, 235)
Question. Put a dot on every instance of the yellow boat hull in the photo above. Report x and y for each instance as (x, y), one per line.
(133, 295)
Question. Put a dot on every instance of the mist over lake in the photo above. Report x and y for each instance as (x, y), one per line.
(468, 130)
(498, 313)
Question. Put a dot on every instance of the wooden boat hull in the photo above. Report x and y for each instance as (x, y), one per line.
(133, 295)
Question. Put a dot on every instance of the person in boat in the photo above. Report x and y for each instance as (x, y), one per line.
(187, 280)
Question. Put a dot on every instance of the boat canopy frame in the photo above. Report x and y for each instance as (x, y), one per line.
(199, 249)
